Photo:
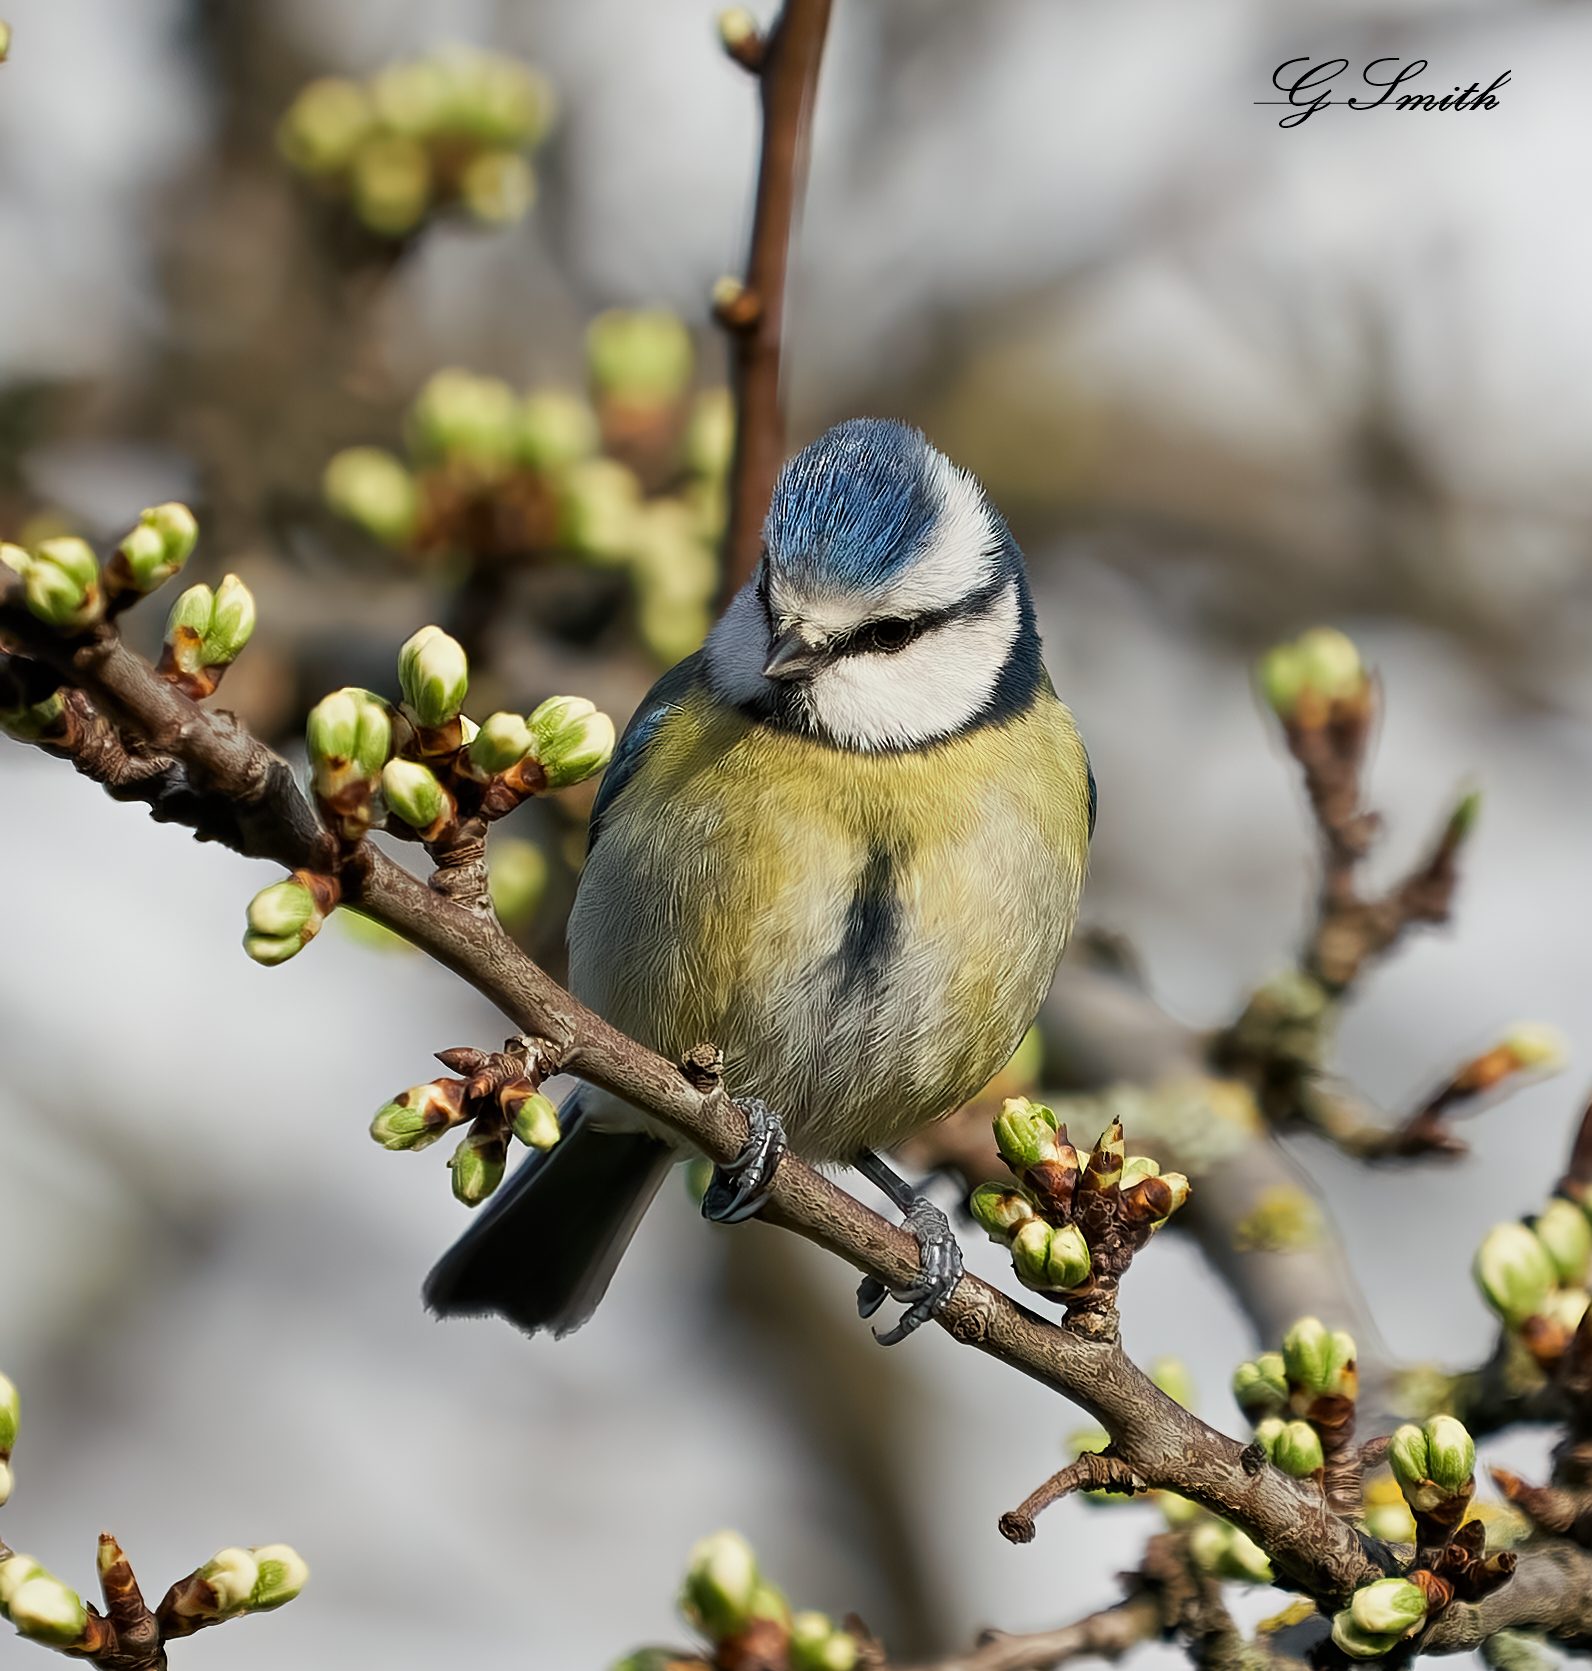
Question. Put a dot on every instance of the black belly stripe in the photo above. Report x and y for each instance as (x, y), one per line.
(873, 924)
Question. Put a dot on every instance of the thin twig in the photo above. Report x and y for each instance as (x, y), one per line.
(1108, 1634)
(787, 72)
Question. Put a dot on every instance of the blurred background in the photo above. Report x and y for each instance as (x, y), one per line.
(1225, 380)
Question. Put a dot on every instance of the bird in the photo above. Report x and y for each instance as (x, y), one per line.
(845, 842)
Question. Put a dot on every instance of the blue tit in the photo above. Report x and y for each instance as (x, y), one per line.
(844, 842)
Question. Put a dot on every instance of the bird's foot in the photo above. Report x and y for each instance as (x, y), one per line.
(939, 1271)
(741, 1186)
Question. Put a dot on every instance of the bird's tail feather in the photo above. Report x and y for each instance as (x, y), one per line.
(544, 1251)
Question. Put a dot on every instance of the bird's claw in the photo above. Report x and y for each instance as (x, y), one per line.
(741, 1186)
(939, 1271)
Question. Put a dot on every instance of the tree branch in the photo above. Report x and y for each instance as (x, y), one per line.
(752, 312)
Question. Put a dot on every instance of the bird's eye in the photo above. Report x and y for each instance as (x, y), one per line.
(888, 636)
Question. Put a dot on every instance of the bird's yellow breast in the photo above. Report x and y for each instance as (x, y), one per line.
(867, 936)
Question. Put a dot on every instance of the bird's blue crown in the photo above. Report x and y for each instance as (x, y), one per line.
(853, 509)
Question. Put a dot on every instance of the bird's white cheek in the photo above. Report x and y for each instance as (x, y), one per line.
(928, 690)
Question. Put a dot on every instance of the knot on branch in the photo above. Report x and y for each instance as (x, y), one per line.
(1092, 1471)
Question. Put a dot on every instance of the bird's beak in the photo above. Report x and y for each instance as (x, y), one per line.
(792, 657)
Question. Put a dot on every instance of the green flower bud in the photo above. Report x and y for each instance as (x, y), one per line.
(710, 435)
(5, 42)
(416, 1118)
(1026, 1134)
(282, 918)
(324, 126)
(768, 1602)
(1563, 1230)
(1514, 1272)
(10, 1415)
(283, 1572)
(7, 1481)
(372, 488)
(517, 879)
(1391, 1522)
(649, 1659)
(600, 510)
(1268, 1432)
(390, 184)
(497, 187)
(817, 1645)
(1297, 1450)
(1536, 1046)
(1388, 1607)
(477, 1167)
(1136, 1167)
(155, 550)
(1000, 1212)
(504, 740)
(43, 1609)
(1225, 1552)
(1052, 1260)
(1172, 1377)
(28, 724)
(232, 1574)
(1332, 663)
(736, 26)
(231, 623)
(1261, 1386)
(413, 793)
(720, 1582)
(349, 734)
(459, 415)
(1452, 1454)
(15, 1571)
(1359, 1644)
(536, 1122)
(62, 583)
(1280, 674)
(572, 740)
(1411, 1464)
(643, 355)
(1318, 1361)
(434, 674)
(411, 96)
(557, 429)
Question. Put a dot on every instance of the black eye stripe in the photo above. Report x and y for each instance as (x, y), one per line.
(861, 640)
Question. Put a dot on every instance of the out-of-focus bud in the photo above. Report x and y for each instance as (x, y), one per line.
(533, 1119)
(61, 583)
(1297, 1450)
(461, 416)
(497, 187)
(37, 720)
(1225, 1552)
(1391, 1522)
(644, 355)
(434, 674)
(10, 1415)
(390, 184)
(1514, 1272)
(503, 741)
(557, 428)
(415, 795)
(816, 1644)
(283, 919)
(477, 1167)
(416, 1118)
(710, 435)
(5, 42)
(1050, 1259)
(1563, 1230)
(736, 27)
(600, 509)
(232, 1574)
(324, 125)
(572, 740)
(517, 879)
(1388, 1607)
(349, 735)
(1280, 676)
(283, 1572)
(1172, 1377)
(1537, 1047)
(1261, 1387)
(1026, 1134)
(43, 1609)
(1332, 663)
(375, 490)
(1001, 1212)
(768, 1602)
(721, 1580)
(155, 550)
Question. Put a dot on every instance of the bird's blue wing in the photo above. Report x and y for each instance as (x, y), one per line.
(659, 702)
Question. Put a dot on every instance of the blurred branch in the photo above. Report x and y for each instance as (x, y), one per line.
(752, 310)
